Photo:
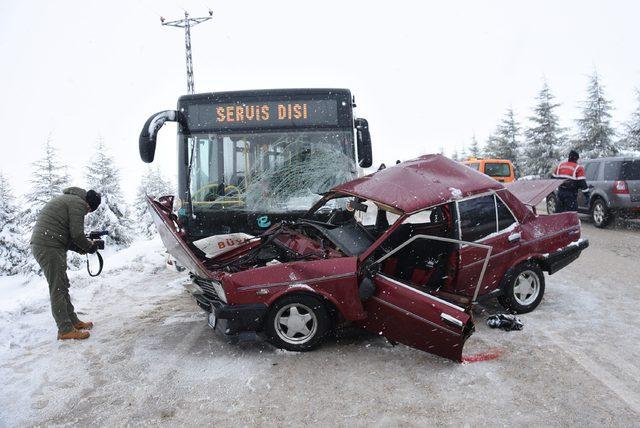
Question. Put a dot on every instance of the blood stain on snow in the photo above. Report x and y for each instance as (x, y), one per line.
(481, 356)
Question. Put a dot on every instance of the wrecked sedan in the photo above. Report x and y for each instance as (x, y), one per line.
(404, 253)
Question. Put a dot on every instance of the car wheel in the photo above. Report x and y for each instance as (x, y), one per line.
(297, 323)
(552, 204)
(600, 214)
(523, 288)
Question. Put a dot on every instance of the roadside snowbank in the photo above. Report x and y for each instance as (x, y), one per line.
(133, 280)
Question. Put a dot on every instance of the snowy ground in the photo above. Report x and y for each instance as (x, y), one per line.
(152, 359)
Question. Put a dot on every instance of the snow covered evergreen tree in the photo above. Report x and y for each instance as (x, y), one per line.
(504, 144)
(595, 134)
(49, 179)
(152, 183)
(104, 177)
(13, 253)
(631, 135)
(454, 155)
(544, 137)
(474, 150)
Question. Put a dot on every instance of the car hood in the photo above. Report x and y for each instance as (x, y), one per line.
(420, 183)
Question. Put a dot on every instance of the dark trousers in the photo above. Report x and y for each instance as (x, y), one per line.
(53, 262)
(567, 200)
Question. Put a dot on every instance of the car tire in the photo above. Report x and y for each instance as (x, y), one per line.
(552, 204)
(523, 288)
(297, 322)
(600, 214)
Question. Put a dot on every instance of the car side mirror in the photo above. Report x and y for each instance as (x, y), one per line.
(363, 138)
(147, 139)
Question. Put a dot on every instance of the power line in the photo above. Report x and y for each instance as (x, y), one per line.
(187, 23)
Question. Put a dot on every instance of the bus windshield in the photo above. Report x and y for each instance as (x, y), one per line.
(268, 171)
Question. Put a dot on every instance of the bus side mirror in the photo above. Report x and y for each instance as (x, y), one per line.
(365, 157)
(147, 140)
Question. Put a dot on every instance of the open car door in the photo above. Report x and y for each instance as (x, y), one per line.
(173, 240)
(403, 313)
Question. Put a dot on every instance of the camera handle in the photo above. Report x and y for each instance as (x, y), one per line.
(100, 264)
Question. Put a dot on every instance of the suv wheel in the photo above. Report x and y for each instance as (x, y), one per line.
(297, 323)
(600, 214)
(523, 288)
(552, 204)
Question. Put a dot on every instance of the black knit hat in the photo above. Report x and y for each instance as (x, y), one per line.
(573, 156)
(93, 199)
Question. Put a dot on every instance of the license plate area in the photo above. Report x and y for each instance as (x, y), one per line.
(211, 319)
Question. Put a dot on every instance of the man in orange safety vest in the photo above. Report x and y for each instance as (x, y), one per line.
(575, 180)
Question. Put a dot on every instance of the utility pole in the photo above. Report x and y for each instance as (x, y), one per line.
(187, 23)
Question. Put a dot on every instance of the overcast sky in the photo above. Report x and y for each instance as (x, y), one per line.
(425, 74)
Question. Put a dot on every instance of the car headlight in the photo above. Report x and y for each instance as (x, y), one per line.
(219, 291)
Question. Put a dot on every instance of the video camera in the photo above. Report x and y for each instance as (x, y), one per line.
(95, 237)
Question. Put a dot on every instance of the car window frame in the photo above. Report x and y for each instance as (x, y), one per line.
(497, 232)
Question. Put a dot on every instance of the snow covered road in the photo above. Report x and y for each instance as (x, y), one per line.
(152, 359)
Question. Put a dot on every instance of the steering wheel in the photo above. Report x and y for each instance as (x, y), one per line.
(228, 189)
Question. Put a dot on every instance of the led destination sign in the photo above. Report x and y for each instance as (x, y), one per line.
(269, 114)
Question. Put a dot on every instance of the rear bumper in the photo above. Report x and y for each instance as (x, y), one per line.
(560, 259)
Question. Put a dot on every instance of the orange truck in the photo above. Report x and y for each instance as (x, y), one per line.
(499, 169)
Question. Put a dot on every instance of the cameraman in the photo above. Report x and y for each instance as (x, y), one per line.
(60, 227)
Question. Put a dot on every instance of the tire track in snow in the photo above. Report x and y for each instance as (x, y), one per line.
(632, 398)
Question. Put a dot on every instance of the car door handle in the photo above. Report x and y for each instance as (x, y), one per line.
(451, 320)
(514, 237)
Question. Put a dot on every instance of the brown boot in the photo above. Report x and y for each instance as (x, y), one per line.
(74, 334)
(81, 325)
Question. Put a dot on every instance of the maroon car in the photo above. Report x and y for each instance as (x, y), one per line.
(403, 253)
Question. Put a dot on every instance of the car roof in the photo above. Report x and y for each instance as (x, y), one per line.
(613, 158)
(420, 183)
(487, 160)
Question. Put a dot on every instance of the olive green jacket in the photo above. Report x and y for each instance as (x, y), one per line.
(60, 224)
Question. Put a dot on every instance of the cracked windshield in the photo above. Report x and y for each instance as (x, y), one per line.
(268, 172)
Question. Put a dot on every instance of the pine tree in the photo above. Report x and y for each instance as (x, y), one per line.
(491, 146)
(504, 144)
(475, 151)
(631, 136)
(153, 184)
(595, 134)
(112, 215)
(454, 155)
(544, 137)
(13, 253)
(48, 180)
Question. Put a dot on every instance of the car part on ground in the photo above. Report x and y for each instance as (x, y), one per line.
(505, 322)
